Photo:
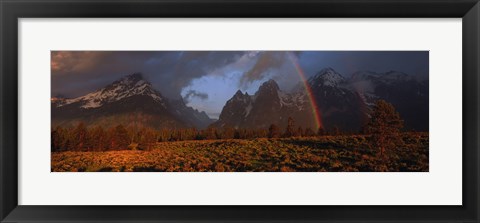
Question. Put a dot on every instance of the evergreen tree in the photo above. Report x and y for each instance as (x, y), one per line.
(273, 131)
(385, 126)
(99, 138)
(336, 131)
(290, 131)
(211, 133)
(79, 137)
(228, 133)
(119, 138)
(321, 131)
(236, 134)
(309, 132)
(261, 133)
(300, 132)
(57, 139)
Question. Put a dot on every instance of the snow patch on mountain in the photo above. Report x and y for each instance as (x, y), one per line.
(296, 100)
(128, 86)
(327, 77)
(248, 109)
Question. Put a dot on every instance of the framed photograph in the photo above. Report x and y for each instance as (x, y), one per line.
(228, 111)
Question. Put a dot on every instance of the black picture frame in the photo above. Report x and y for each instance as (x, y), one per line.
(12, 10)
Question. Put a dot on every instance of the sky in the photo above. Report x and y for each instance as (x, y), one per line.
(207, 79)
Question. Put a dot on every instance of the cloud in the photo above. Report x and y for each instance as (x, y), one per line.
(268, 62)
(75, 73)
(63, 62)
(192, 65)
(194, 94)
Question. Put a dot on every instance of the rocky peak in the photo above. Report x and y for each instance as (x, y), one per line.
(134, 80)
(270, 84)
(238, 94)
(327, 77)
(268, 88)
(134, 77)
(240, 97)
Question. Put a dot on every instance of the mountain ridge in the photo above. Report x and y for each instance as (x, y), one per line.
(128, 100)
(343, 103)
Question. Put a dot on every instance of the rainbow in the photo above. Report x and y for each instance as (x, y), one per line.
(315, 111)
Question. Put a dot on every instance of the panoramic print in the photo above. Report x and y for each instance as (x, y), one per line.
(239, 111)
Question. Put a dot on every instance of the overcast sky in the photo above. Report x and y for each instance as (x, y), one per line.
(207, 79)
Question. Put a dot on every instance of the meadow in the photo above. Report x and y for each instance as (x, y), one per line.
(306, 154)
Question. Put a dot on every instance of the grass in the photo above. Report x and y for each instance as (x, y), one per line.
(327, 153)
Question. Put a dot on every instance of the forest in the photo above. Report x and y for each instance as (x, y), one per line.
(81, 138)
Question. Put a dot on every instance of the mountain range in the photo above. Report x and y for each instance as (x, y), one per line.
(131, 101)
(343, 103)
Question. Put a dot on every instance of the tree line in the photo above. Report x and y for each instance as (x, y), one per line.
(385, 125)
(97, 138)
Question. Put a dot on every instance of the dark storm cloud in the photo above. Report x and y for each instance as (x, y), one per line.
(191, 65)
(266, 63)
(277, 65)
(75, 73)
(194, 94)
(78, 72)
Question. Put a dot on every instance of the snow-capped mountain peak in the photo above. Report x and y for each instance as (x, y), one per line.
(128, 86)
(326, 77)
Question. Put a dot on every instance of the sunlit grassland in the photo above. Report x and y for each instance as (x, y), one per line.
(307, 154)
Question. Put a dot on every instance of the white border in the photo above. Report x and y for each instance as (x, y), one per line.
(441, 186)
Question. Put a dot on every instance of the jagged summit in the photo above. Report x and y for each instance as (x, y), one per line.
(270, 83)
(268, 86)
(134, 79)
(327, 70)
(128, 86)
(239, 93)
(240, 96)
(130, 79)
(136, 75)
(269, 105)
(327, 77)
